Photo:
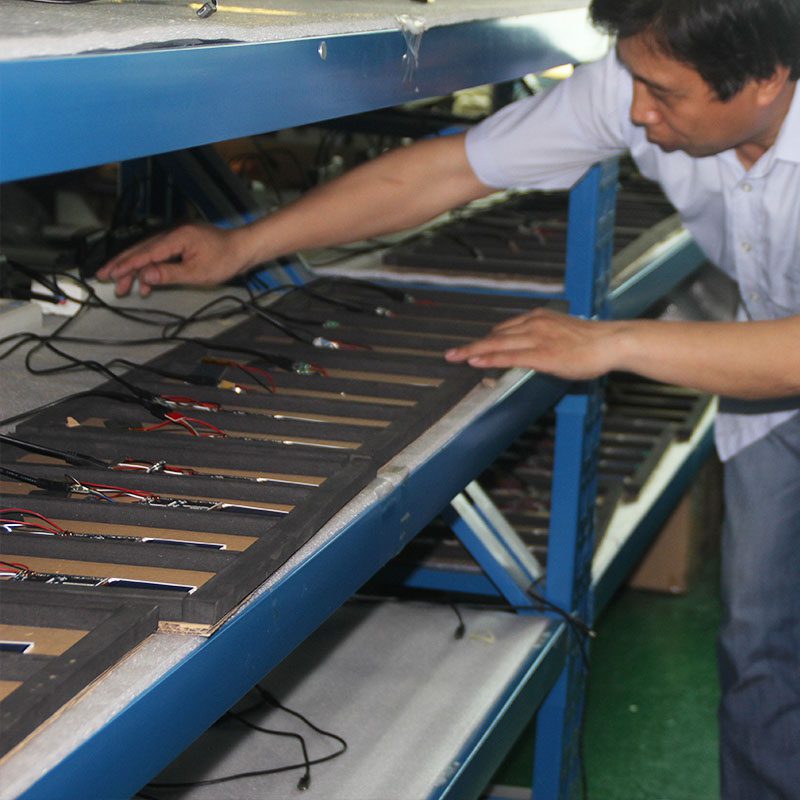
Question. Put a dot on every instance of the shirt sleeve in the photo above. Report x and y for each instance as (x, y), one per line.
(548, 141)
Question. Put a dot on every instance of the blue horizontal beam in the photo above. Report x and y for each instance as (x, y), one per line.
(655, 280)
(68, 112)
(451, 581)
(482, 756)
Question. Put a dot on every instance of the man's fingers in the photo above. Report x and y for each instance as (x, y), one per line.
(124, 284)
(505, 358)
(483, 347)
(145, 261)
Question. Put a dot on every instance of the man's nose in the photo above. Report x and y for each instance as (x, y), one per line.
(643, 110)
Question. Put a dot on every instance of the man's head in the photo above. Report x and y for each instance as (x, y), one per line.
(708, 74)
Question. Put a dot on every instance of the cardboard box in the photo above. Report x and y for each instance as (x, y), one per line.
(690, 534)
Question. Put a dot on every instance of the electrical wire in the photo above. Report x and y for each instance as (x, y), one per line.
(305, 765)
(93, 299)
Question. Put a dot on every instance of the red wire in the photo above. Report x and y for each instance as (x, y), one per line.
(350, 345)
(155, 427)
(190, 401)
(118, 489)
(16, 566)
(246, 368)
(257, 370)
(182, 419)
(55, 528)
(177, 418)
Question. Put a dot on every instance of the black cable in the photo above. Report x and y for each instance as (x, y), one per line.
(273, 701)
(336, 301)
(141, 395)
(462, 628)
(30, 412)
(305, 765)
(70, 456)
(193, 378)
(578, 627)
(171, 331)
(49, 485)
(282, 362)
(23, 338)
(398, 295)
(93, 299)
(305, 780)
(240, 775)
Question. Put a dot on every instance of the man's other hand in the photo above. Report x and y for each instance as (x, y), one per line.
(191, 254)
(546, 341)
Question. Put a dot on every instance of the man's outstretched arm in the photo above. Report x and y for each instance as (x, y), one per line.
(748, 360)
(399, 190)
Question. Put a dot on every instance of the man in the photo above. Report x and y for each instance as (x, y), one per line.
(702, 94)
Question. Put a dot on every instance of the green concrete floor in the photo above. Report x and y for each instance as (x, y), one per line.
(651, 731)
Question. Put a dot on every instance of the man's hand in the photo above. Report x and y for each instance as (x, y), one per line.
(748, 360)
(196, 254)
(545, 341)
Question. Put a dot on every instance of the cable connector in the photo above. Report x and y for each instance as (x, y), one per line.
(207, 9)
(325, 344)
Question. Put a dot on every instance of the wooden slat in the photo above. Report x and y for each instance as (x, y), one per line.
(46, 641)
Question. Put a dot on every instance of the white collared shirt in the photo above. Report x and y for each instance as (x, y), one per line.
(746, 221)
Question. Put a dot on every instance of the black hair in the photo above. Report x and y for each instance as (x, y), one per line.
(728, 42)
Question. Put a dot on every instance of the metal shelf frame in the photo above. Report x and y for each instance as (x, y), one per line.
(122, 106)
(84, 110)
(117, 760)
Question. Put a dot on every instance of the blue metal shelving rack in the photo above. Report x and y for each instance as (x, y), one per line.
(120, 106)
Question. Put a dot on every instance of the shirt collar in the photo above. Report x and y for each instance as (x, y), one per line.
(787, 145)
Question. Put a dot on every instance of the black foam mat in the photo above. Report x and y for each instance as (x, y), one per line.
(395, 398)
(47, 682)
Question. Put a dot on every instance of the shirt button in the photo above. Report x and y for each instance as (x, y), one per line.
(747, 247)
(746, 187)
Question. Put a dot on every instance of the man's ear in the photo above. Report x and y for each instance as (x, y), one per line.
(767, 89)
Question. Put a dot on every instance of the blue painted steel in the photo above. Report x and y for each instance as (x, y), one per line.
(297, 272)
(573, 457)
(496, 572)
(144, 192)
(479, 760)
(590, 240)
(574, 488)
(657, 279)
(450, 581)
(635, 547)
(431, 487)
(204, 178)
(116, 106)
(557, 758)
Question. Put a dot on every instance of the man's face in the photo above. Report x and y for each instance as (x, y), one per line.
(679, 110)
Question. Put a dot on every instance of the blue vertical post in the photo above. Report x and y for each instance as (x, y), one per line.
(557, 759)
(144, 191)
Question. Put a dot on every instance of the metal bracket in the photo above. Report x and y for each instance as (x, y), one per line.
(497, 549)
